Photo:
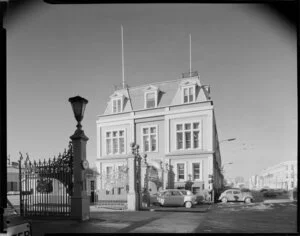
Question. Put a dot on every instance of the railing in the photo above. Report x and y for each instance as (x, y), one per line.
(46, 187)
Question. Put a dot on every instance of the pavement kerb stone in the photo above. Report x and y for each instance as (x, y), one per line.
(278, 201)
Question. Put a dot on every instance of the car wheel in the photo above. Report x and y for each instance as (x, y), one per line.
(224, 200)
(248, 200)
(188, 204)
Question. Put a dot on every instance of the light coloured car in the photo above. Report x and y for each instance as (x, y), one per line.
(236, 195)
(176, 197)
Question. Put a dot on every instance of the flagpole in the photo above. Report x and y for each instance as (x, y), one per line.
(190, 55)
(123, 77)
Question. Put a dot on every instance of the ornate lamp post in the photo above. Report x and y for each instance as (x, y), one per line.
(80, 208)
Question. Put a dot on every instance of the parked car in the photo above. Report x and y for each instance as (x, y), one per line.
(270, 193)
(236, 195)
(176, 197)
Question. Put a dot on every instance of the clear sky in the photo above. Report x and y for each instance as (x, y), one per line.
(247, 55)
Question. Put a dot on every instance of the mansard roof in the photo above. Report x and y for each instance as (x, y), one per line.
(169, 93)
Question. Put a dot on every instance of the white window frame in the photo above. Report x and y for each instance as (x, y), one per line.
(149, 135)
(194, 93)
(177, 172)
(200, 169)
(112, 105)
(111, 138)
(155, 99)
(192, 136)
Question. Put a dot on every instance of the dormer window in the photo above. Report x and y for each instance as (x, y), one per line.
(150, 100)
(150, 97)
(189, 94)
(117, 105)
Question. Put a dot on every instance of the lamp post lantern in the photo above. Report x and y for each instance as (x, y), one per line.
(78, 105)
(80, 209)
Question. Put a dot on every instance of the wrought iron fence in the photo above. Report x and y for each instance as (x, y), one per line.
(46, 186)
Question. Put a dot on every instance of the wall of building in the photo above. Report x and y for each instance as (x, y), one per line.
(283, 175)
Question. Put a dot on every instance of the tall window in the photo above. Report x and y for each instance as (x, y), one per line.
(180, 171)
(189, 94)
(149, 139)
(115, 142)
(150, 100)
(108, 172)
(188, 136)
(196, 170)
(117, 105)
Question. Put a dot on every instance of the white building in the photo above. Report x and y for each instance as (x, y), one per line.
(174, 124)
(281, 176)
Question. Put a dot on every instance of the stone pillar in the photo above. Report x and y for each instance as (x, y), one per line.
(132, 202)
(166, 176)
(80, 204)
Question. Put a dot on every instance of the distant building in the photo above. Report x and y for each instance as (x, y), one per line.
(13, 176)
(174, 124)
(282, 175)
(253, 182)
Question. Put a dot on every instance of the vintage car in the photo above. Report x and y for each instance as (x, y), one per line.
(176, 197)
(236, 195)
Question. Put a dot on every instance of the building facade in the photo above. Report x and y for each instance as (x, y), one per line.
(280, 176)
(174, 124)
(13, 182)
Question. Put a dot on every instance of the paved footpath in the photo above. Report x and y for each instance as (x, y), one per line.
(219, 218)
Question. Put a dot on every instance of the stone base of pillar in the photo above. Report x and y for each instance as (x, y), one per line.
(132, 203)
(80, 208)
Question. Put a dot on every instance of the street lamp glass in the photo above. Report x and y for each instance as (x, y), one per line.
(78, 105)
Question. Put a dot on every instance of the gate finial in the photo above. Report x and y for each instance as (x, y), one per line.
(21, 156)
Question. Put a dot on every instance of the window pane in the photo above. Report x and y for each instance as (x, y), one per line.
(146, 143)
(150, 100)
(187, 139)
(152, 130)
(108, 134)
(108, 171)
(115, 145)
(108, 146)
(196, 170)
(115, 134)
(191, 91)
(180, 169)
(179, 141)
(114, 106)
(121, 133)
(185, 99)
(196, 125)
(145, 130)
(119, 105)
(185, 92)
(196, 139)
(187, 126)
(153, 142)
(122, 148)
(178, 127)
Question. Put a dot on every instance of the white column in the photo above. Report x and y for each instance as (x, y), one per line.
(132, 194)
(80, 205)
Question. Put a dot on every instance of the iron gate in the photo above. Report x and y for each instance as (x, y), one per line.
(46, 186)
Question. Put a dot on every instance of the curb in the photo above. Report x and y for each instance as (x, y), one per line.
(279, 201)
